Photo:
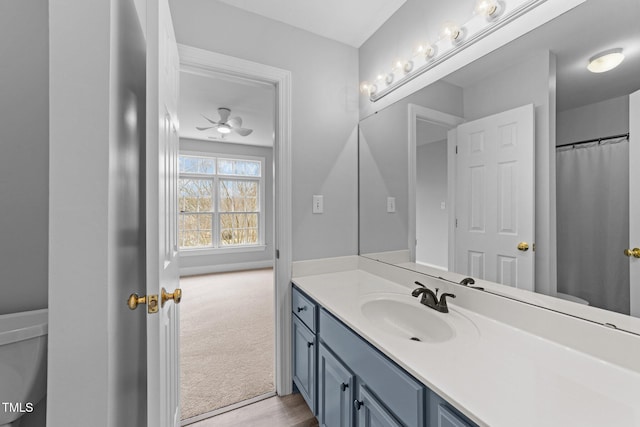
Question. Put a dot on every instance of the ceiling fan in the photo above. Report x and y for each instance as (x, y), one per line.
(226, 125)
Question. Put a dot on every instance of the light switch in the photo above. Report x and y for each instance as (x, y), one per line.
(318, 204)
(391, 204)
(443, 205)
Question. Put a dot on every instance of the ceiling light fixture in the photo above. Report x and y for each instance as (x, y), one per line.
(605, 61)
(224, 128)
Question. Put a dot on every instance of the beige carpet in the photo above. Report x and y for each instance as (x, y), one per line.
(227, 339)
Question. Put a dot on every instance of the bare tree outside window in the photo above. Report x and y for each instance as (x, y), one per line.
(219, 202)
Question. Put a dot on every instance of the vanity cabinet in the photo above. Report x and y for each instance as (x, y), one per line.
(348, 383)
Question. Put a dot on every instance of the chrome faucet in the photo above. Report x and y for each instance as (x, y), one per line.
(430, 299)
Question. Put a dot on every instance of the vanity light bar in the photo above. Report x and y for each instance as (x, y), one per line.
(462, 41)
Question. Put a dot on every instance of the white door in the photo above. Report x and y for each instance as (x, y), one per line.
(634, 201)
(161, 215)
(495, 198)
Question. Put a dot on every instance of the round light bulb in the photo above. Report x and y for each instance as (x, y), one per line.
(489, 8)
(426, 50)
(368, 88)
(224, 129)
(451, 31)
(605, 61)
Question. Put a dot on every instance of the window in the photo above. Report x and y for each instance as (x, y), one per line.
(220, 202)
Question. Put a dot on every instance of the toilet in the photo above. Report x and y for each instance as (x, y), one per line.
(23, 364)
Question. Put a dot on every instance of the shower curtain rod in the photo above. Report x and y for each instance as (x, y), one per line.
(622, 135)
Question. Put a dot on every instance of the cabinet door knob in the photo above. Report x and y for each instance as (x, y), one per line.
(302, 309)
(357, 404)
(309, 344)
(344, 386)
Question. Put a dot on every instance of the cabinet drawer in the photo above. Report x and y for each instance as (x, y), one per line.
(404, 396)
(302, 307)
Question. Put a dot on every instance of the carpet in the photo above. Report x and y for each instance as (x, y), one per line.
(227, 337)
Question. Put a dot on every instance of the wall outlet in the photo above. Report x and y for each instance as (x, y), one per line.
(318, 204)
(391, 204)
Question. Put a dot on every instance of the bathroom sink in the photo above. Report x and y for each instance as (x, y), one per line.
(404, 317)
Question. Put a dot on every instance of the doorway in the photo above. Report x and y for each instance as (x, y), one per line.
(205, 63)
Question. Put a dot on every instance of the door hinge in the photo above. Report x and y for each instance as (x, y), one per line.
(456, 222)
(456, 149)
(277, 253)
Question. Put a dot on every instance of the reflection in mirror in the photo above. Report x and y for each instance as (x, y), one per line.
(525, 201)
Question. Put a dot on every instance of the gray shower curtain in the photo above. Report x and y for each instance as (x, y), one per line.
(593, 222)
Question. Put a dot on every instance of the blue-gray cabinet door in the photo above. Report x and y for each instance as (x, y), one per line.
(335, 391)
(371, 412)
(304, 362)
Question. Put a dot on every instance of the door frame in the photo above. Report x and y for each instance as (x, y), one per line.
(192, 58)
(449, 121)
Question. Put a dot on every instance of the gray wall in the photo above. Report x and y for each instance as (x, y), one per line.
(201, 264)
(97, 356)
(432, 222)
(532, 81)
(605, 118)
(24, 162)
(324, 113)
(383, 167)
(416, 21)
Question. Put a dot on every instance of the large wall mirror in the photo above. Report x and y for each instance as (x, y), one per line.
(515, 170)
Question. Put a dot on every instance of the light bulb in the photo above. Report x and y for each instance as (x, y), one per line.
(224, 128)
(402, 66)
(368, 88)
(384, 78)
(451, 30)
(427, 50)
(491, 9)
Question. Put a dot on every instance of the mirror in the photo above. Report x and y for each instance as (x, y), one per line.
(414, 188)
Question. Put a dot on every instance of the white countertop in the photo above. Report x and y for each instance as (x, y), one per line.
(496, 374)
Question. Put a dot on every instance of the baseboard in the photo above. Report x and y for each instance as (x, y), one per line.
(223, 268)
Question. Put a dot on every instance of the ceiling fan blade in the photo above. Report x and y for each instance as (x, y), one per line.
(200, 128)
(209, 120)
(236, 122)
(224, 114)
(243, 131)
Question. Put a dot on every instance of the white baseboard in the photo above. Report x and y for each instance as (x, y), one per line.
(223, 268)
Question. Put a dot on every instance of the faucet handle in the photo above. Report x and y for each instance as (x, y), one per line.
(419, 284)
(442, 303)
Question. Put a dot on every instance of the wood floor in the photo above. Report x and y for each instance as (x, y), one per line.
(286, 411)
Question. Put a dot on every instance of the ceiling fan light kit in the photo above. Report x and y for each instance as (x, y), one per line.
(225, 125)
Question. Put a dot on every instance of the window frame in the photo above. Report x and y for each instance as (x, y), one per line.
(216, 248)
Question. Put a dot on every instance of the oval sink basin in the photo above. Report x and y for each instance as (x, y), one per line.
(404, 317)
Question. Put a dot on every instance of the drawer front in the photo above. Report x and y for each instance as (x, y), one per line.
(302, 307)
(398, 391)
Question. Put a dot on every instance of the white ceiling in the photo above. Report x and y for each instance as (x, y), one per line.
(348, 21)
(253, 101)
(574, 37)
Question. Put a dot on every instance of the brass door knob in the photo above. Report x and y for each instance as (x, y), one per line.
(523, 246)
(176, 296)
(135, 300)
(635, 252)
